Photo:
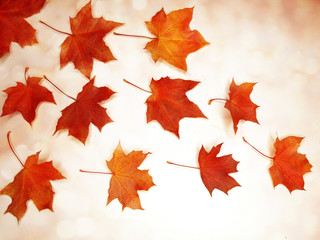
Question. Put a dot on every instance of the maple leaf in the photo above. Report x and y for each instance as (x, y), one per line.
(168, 103)
(31, 183)
(13, 26)
(85, 110)
(288, 166)
(174, 40)
(240, 105)
(127, 179)
(86, 41)
(26, 98)
(215, 170)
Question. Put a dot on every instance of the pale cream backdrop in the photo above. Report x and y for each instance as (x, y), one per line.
(274, 43)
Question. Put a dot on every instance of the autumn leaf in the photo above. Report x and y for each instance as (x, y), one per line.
(174, 40)
(126, 178)
(288, 166)
(86, 41)
(215, 170)
(31, 183)
(168, 103)
(85, 110)
(239, 103)
(13, 26)
(25, 98)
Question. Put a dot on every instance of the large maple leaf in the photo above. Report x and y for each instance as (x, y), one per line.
(86, 41)
(85, 110)
(26, 98)
(168, 103)
(239, 103)
(127, 179)
(31, 183)
(174, 40)
(215, 170)
(13, 26)
(288, 166)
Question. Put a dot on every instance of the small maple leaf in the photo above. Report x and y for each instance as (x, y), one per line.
(14, 27)
(31, 183)
(168, 103)
(85, 110)
(215, 170)
(174, 40)
(288, 166)
(127, 179)
(86, 41)
(26, 98)
(240, 105)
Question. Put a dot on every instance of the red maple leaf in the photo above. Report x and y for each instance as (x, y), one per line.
(13, 26)
(26, 98)
(215, 170)
(31, 183)
(288, 166)
(86, 41)
(240, 105)
(85, 110)
(168, 103)
(174, 39)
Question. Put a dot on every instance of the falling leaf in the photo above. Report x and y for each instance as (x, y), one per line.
(85, 110)
(215, 170)
(127, 179)
(240, 105)
(168, 103)
(86, 41)
(174, 40)
(26, 98)
(31, 183)
(289, 166)
(14, 27)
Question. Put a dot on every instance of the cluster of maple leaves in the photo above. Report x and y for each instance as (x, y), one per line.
(172, 42)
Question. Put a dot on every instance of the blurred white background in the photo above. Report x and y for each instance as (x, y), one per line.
(274, 43)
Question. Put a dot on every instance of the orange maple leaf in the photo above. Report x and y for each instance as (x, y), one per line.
(168, 103)
(288, 166)
(215, 170)
(174, 40)
(31, 183)
(240, 105)
(86, 41)
(85, 110)
(127, 179)
(26, 98)
(13, 26)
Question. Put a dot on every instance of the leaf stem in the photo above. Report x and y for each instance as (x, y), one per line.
(84, 171)
(256, 149)
(182, 165)
(129, 35)
(59, 89)
(137, 86)
(54, 28)
(220, 99)
(8, 137)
